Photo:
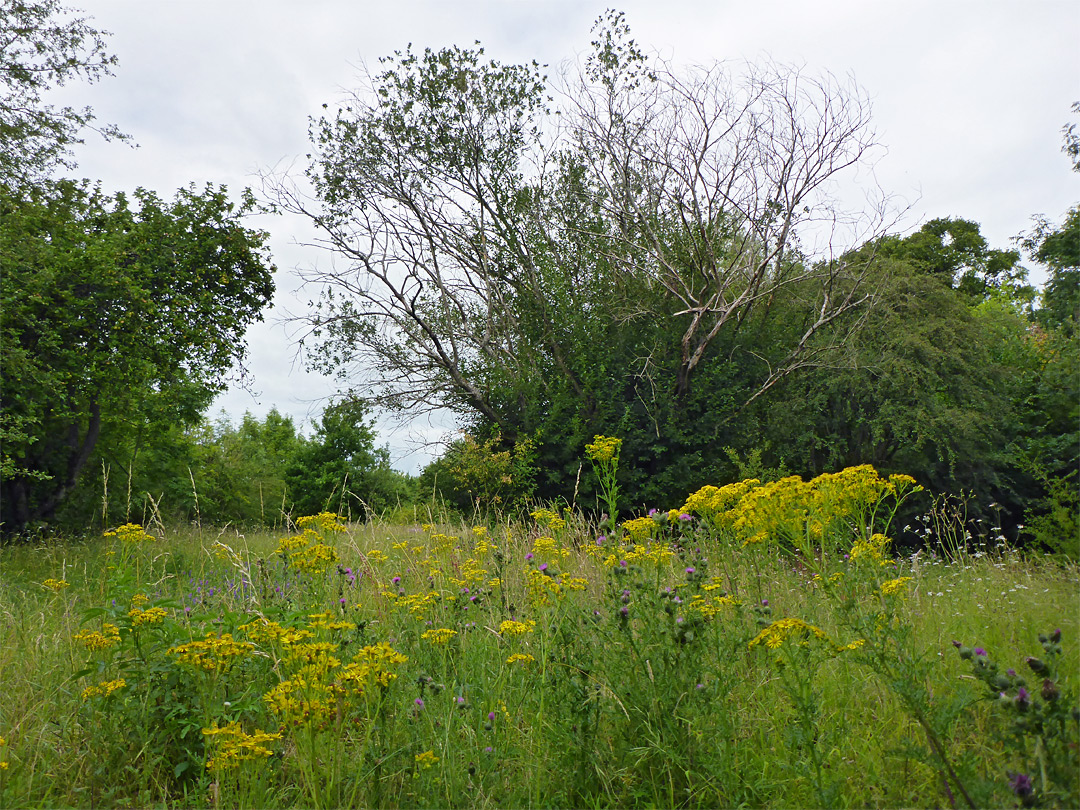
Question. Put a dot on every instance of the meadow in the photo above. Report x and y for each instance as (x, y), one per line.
(760, 645)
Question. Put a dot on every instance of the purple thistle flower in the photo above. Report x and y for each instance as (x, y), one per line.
(488, 749)
(396, 580)
(419, 702)
(1023, 700)
(685, 516)
(1021, 784)
(764, 602)
(690, 570)
(980, 651)
(529, 556)
(543, 566)
(491, 715)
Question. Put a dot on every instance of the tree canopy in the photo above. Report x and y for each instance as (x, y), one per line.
(45, 45)
(115, 310)
(612, 263)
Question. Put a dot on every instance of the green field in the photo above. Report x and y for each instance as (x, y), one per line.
(542, 663)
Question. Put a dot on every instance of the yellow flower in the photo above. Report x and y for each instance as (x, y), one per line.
(512, 628)
(856, 644)
(426, 759)
(55, 585)
(94, 640)
(439, 636)
(130, 533)
(603, 449)
(104, 689)
(894, 586)
(642, 528)
(213, 653)
(549, 519)
(154, 615)
(234, 746)
(520, 658)
(326, 522)
(779, 631)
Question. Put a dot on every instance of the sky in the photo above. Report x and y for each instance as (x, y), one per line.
(969, 99)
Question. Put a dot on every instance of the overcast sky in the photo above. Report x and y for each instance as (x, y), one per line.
(969, 97)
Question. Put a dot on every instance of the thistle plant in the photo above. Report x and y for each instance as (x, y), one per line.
(1040, 724)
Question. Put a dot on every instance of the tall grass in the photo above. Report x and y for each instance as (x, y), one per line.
(544, 666)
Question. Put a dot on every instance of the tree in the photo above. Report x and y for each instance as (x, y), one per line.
(332, 470)
(42, 46)
(114, 314)
(582, 270)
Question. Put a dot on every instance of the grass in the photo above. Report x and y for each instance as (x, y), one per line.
(630, 680)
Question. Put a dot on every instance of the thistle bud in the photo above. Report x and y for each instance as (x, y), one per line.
(1037, 666)
(1056, 636)
(966, 653)
(1050, 692)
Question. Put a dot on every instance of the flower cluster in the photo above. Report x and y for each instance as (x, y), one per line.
(154, 615)
(515, 628)
(894, 586)
(234, 746)
(108, 636)
(55, 585)
(130, 534)
(325, 522)
(439, 636)
(548, 519)
(214, 653)
(103, 689)
(603, 449)
(779, 631)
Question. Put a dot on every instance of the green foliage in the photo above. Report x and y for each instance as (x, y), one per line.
(484, 476)
(42, 46)
(588, 282)
(116, 317)
(1041, 725)
(339, 468)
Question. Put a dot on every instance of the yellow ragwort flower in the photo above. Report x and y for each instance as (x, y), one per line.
(603, 449)
(439, 636)
(154, 615)
(109, 636)
(55, 585)
(512, 628)
(426, 759)
(779, 631)
(894, 586)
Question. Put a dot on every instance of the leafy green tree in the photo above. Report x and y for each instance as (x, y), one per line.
(114, 313)
(605, 267)
(44, 45)
(337, 468)
(1059, 249)
(240, 471)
